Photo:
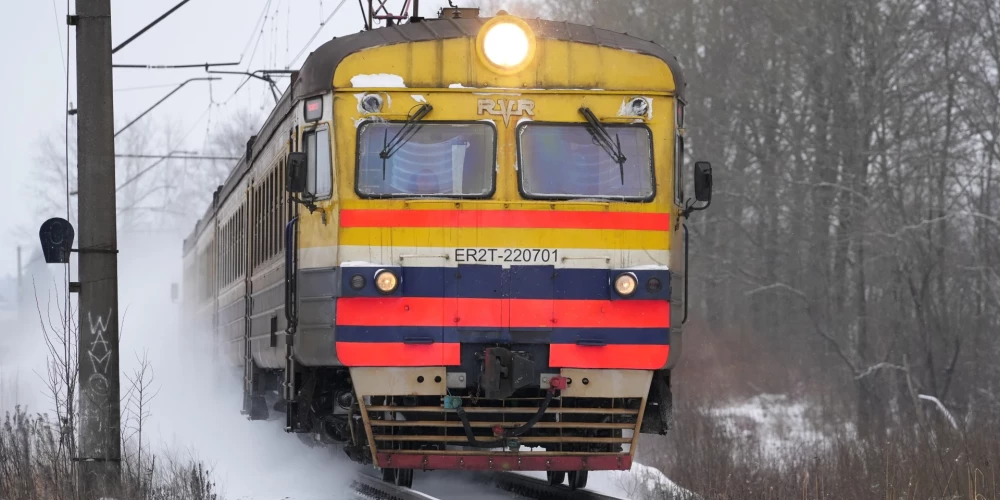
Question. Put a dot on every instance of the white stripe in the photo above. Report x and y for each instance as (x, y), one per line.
(561, 258)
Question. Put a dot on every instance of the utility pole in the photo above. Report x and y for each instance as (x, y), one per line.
(99, 450)
(20, 287)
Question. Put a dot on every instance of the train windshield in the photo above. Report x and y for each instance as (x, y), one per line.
(566, 161)
(426, 159)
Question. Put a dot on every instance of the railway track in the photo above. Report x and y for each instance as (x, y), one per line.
(371, 488)
(529, 487)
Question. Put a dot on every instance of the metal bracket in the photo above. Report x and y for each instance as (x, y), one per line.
(95, 459)
(94, 250)
(456, 380)
(72, 20)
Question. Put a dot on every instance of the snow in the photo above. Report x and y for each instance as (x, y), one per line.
(947, 414)
(379, 81)
(775, 422)
(648, 267)
(626, 108)
(418, 98)
(360, 263)
(457, 86)
(642, 482)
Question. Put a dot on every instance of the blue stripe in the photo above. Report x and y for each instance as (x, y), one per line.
(428, 335)
(517, 282)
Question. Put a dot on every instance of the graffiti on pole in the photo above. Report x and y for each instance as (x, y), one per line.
(99, 354)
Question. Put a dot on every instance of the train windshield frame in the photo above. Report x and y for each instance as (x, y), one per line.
(421, 161)
(563, 161)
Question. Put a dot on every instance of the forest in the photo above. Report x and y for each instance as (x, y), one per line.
(850, 258)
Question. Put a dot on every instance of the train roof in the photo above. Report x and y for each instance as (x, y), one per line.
(316, 75)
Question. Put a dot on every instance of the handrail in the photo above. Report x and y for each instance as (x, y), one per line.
(687, 272)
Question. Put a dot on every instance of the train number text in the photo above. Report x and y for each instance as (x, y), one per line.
(507, 255)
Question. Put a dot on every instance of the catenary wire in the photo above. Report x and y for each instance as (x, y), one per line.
(62, 55)
(318, 30)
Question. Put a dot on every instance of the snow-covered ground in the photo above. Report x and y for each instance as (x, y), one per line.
(776, 423)
(640, 483)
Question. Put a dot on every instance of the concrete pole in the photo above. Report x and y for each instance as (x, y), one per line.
(20, 288)
(99, 449)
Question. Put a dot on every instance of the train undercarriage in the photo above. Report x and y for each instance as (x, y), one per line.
(501, 416)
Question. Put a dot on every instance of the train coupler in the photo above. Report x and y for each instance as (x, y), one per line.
(505, 372)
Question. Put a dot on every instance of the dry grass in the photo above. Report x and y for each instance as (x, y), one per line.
(35, 465)
(909, 463)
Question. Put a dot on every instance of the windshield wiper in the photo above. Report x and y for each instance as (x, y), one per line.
(404, 135)
(603, 138)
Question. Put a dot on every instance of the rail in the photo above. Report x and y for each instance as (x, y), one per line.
(529, 487)
(373, 488)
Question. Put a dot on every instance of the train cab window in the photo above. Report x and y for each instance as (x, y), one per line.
(426, 160)
(565, 161)
(319, 169)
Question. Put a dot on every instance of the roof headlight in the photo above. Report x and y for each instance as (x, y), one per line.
(625, 284)
(507, 44)
(371, 103)
(386, 281)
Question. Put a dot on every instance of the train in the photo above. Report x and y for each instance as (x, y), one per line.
(459, 243)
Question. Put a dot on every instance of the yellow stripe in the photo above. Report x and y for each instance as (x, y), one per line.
(541, 206)
(502, 238)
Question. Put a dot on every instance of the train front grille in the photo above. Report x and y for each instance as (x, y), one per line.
(568, 426)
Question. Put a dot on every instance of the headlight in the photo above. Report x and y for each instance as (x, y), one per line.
(625, 285)
(386, 281)
(507, 44)
(640, 107)
(371, 103)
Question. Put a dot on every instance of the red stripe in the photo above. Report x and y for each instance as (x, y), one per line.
(505, 218)
(398, 354)
(622, 357)
(499, 313)
(504, 461)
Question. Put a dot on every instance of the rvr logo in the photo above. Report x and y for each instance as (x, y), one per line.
(507, 108)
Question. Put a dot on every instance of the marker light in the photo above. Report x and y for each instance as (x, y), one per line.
(357, 282)
(386, 281)
(625, 284)
(314, 109)
(506, 44)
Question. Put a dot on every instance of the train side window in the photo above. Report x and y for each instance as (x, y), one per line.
(319, 169)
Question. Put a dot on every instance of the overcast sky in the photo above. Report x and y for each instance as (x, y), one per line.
(32, 92)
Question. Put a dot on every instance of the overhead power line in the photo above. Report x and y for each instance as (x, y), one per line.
(261, 74)
(148, 26)
(185, 157)
(172, 92)
(174, 66)
(318, 30)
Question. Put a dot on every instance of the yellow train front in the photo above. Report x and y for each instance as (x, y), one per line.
(478, 269)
